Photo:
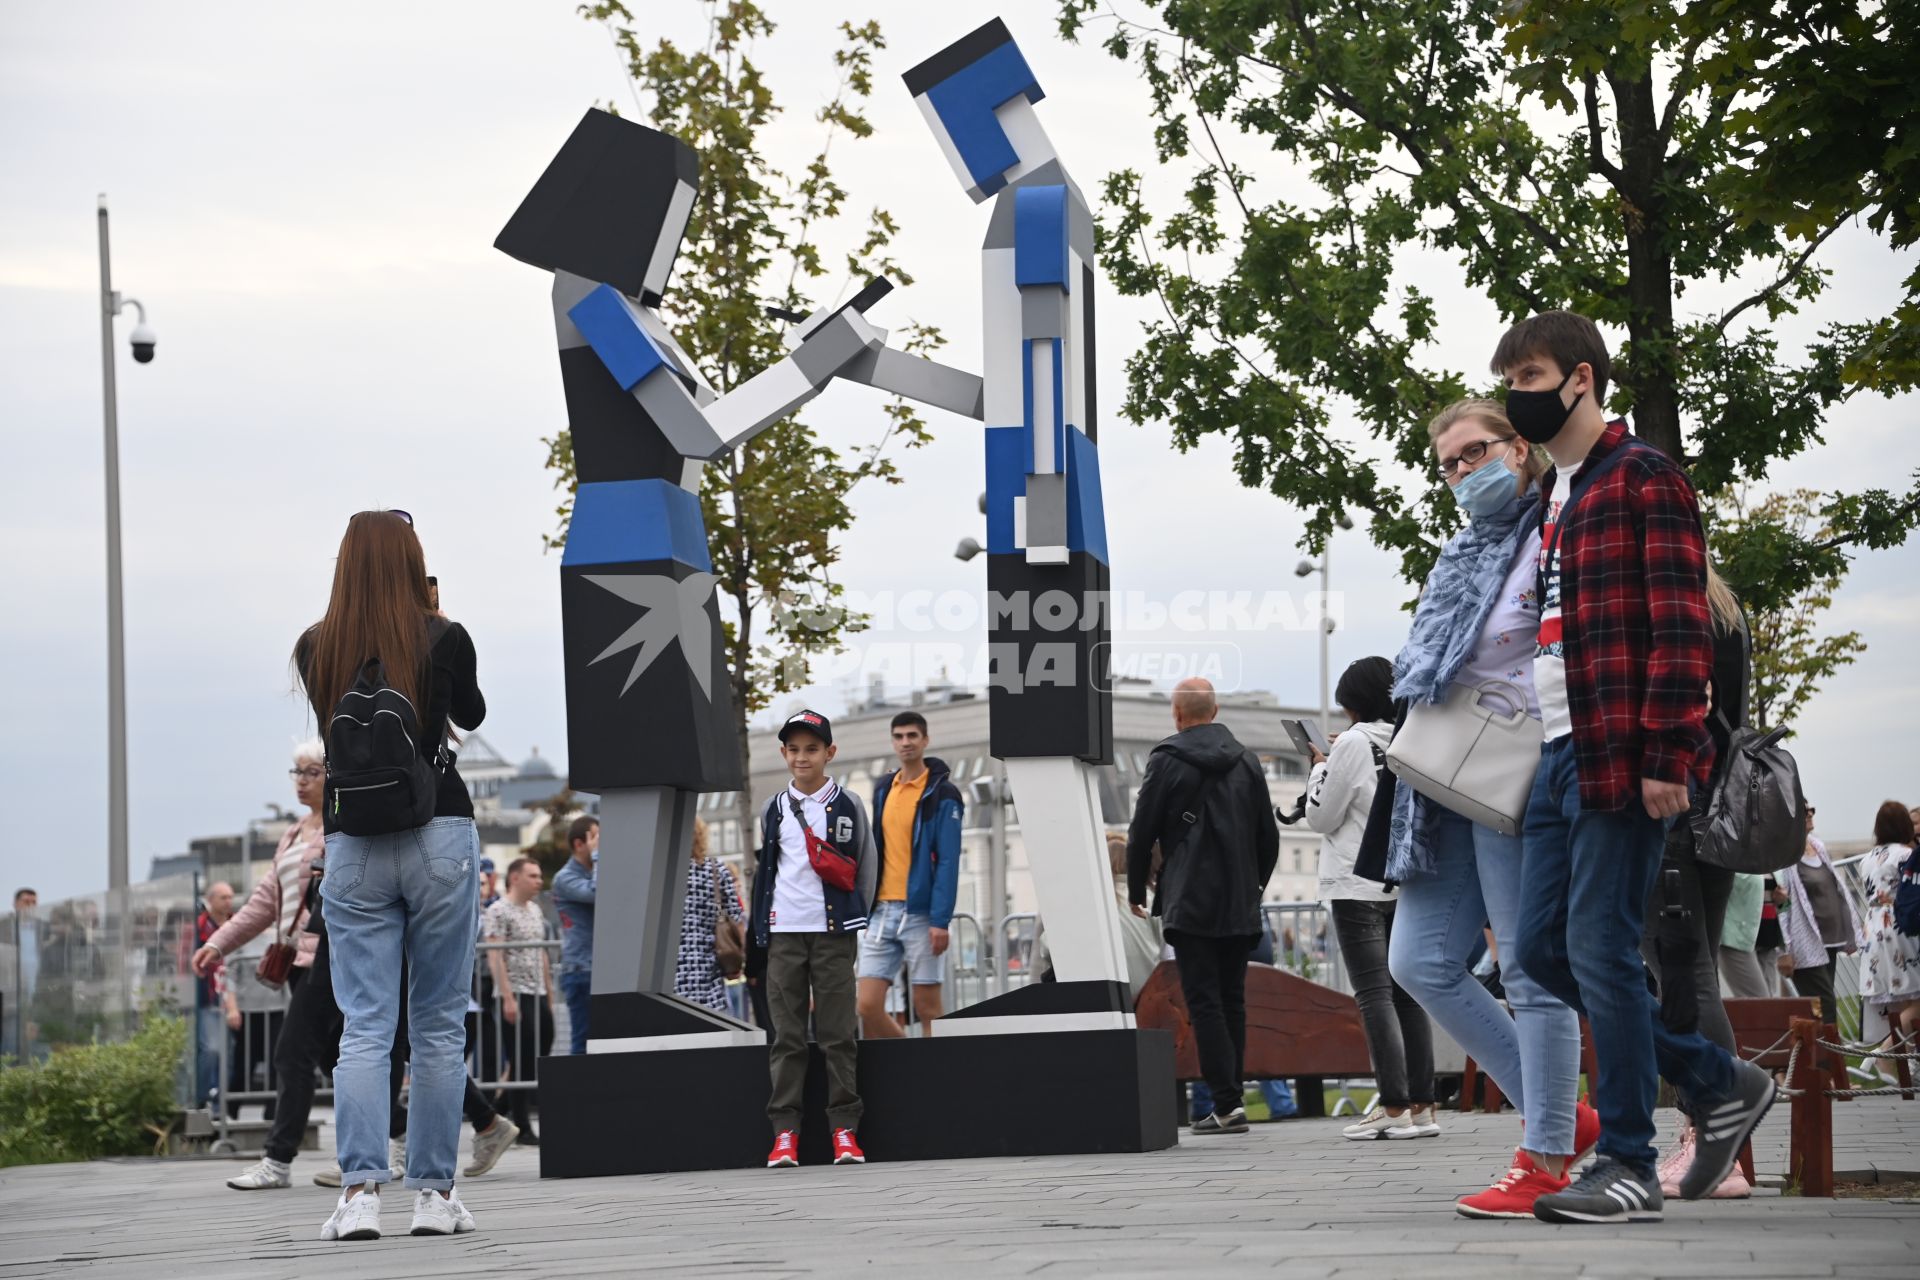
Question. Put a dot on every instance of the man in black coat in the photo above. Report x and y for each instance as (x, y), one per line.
(1204, 802)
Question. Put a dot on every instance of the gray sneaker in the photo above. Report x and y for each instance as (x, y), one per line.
(268, 1175)
(1607, 1191)
(397, 1157)
(1233, 1122)
(489, 1145)
(1722, 1129)
(327, 1177)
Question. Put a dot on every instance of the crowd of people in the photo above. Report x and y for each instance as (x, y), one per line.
(1578, 598)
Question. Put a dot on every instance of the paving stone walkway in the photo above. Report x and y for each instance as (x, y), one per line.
(1289, 1200)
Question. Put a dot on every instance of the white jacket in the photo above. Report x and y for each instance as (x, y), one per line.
(1339, 797)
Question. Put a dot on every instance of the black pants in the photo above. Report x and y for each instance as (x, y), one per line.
(1213, 980)
(1399, 1037)
(1818, 983)
(1681, 943)
(309, 1042)
(527, 1041)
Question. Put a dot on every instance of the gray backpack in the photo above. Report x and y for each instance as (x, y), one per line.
(1756, 818)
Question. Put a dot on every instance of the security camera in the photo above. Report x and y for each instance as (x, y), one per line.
(143, 340)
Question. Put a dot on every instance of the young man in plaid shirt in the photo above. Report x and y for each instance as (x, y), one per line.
(1622, 666)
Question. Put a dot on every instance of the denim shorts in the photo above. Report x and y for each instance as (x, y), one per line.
(891, 937)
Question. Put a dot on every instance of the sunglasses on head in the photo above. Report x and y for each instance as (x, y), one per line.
(404, 515)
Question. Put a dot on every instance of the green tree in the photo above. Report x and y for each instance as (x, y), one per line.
(1791, 653)
(1599, 155)
(760, 238)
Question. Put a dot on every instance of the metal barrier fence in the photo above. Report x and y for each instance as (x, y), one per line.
(502, 1054)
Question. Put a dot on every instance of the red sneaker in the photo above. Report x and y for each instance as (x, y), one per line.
(845, 1149)
(786, 1150)
(1513, 1195)
(1586, 1132)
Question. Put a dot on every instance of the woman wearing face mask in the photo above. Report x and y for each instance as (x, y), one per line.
(1476, 622)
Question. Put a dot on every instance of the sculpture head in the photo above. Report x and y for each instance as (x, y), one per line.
(612, 207)
(977, 95)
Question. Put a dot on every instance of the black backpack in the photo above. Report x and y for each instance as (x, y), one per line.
(378, 780)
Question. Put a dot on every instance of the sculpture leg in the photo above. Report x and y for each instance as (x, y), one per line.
(646, 842)
(1060, 824)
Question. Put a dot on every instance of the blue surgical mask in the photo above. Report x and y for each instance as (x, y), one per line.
(1485, 490)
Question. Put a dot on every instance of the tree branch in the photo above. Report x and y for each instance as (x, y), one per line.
(1682, 86)
(1785, 278)
(1596, 150)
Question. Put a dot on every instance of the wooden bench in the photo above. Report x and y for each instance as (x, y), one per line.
(1296, 1030)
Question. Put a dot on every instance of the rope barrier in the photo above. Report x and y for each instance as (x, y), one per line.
(1866, 1093)
(1867, 1051)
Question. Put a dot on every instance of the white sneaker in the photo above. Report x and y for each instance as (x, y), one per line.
(357, 1218)
(1378, 1124)
(268, 1175)
(327, 1177)
(437, 1215)
(397, 1157)
(489, 1145)
(1418, 1122)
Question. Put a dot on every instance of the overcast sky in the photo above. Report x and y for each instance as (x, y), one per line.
(306, 201)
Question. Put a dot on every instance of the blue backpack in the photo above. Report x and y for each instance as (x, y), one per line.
(1906, 899)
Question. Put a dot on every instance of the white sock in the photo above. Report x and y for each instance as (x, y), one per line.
(278, 1166)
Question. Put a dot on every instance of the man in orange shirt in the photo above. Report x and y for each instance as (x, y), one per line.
(918, 830)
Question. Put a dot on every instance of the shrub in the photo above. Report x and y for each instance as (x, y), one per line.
(93, 1100)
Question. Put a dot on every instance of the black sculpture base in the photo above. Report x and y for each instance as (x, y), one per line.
(948, 1098)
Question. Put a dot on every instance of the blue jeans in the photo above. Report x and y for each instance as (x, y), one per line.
(1533, 1054)
(211, 1025)
(1278, 1093)
(408, 896)
(576, 988)
(1584, 887)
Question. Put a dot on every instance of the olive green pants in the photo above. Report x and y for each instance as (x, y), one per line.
(820, 966)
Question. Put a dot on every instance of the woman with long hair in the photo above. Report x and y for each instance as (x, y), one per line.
(1890, 971)
(1687, 909)
(1476, 623)
(405, 897)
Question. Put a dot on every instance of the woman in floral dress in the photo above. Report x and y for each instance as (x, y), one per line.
(1890, 971)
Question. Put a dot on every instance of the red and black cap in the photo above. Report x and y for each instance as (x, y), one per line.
(813, 722)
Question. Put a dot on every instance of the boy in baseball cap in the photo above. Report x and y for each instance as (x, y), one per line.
(818, 869)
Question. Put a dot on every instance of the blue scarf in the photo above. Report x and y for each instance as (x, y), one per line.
(1454, 605)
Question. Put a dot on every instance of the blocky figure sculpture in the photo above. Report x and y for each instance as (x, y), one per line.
(650, 716)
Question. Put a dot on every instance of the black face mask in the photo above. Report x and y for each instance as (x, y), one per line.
(1538, 416)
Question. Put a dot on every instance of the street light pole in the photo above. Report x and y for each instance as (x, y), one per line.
(116, 637)
(1326, 637)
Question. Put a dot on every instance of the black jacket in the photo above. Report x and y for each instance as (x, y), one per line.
(1204, 800)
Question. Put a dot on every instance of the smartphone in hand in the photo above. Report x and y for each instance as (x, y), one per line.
(1306, 737)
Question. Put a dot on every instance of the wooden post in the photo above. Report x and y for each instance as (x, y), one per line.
(1810, 1157)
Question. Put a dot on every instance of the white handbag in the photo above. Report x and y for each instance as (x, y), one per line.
(1475, 753)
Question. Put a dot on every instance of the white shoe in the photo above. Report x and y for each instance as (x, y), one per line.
(1418, 1122)
(327, 1177)
(355, 1218)
(1378, 1124)
(490, 1145)
(397, 1157)
(437, 1215)
(268, 1175)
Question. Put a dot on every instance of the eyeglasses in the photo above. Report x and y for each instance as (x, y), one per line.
(306, 774)
(1471, 455)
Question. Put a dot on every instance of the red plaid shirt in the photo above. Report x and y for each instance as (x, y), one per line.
(1638, 636)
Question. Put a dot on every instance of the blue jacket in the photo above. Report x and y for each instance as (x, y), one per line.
(933, 877)
(848, 830)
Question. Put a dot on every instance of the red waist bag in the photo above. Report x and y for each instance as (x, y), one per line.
(832, 866)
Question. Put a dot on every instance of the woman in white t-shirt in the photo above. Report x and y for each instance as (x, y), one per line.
(1339, 798)
(1477, 625)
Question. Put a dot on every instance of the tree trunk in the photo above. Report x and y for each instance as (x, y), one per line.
(1652, 378)
(744, 808)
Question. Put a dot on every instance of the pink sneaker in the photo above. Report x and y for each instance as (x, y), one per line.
(1732, 1187)
(1675, 1163)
